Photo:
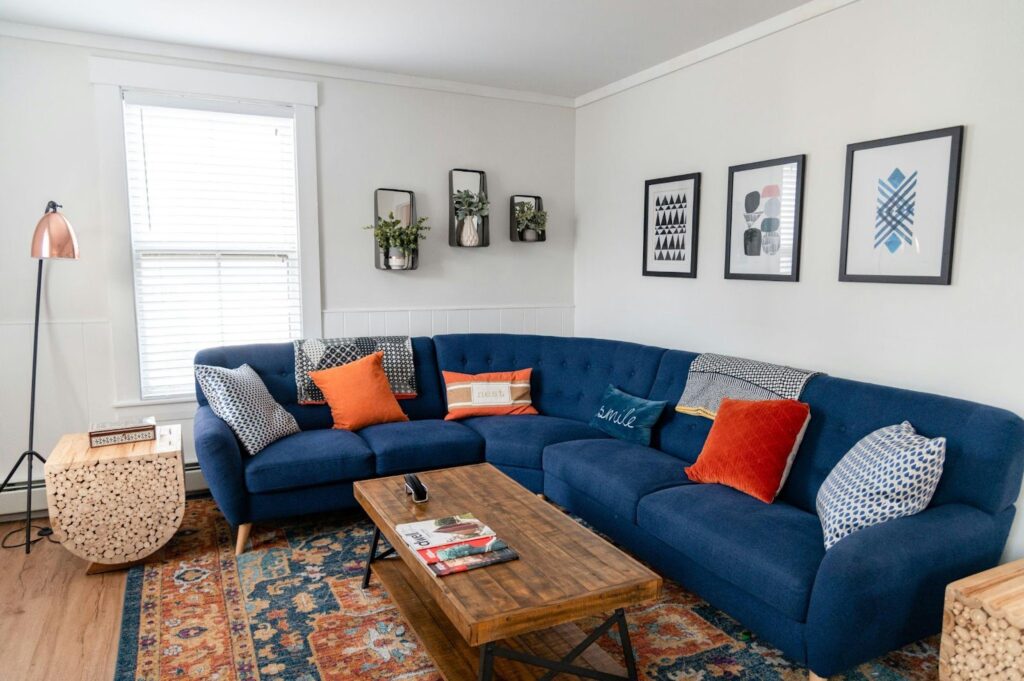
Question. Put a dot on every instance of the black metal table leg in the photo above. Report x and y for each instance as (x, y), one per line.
(627, 645)
(486, 662)
(373, 555)
(565, 665)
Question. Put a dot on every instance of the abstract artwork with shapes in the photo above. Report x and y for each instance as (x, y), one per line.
(899, 208)
(670, 226)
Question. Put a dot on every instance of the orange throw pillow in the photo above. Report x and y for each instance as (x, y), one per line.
(358, 393)
(491, 394)
(752, 445)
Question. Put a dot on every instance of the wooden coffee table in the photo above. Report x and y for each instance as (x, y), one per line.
(518, 614)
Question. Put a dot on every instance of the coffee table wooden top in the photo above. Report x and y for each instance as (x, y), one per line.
(565, 571)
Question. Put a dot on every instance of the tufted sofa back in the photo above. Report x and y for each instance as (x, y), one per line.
(275, 364)
(569, 374)
(678, 434)
(984, 445)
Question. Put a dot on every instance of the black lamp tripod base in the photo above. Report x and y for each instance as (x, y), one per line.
(42, 531)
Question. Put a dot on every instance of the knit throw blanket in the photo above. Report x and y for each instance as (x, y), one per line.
(713, 377)
(316, 354)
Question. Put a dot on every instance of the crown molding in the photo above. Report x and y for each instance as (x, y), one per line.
(780, 22)
(208, 56)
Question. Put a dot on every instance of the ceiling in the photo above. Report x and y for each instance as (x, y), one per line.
(555, 47)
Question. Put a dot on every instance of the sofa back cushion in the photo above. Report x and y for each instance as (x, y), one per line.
(570, 375)
(984, 445)
(681, 435)
(275, 364)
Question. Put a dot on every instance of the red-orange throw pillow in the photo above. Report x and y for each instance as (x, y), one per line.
(752, 445)
(358, 393)
(491, 394)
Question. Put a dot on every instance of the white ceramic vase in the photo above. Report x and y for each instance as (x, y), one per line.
(469, 233)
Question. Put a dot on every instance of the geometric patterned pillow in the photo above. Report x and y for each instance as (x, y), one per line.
(891, 473)
(317, 354)
(241, 399)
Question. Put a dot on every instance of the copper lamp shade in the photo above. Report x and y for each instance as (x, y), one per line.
(54, 236)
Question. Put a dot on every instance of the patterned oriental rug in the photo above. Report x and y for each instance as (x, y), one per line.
(291, 610)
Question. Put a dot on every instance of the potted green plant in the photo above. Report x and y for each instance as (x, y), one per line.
(470, 207)
(399, 242)
(530, 220)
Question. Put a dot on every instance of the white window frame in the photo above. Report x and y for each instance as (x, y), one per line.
(110, 78)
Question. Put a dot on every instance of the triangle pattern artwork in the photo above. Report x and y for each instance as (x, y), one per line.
(670, 226)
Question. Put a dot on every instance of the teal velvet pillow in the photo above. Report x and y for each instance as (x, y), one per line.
(627, 417)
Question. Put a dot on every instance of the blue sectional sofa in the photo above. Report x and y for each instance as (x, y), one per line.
(764, 564)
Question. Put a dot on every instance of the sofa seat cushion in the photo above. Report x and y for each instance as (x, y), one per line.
(312, 457)
(422, 445)
(614, 473)
(771, 551)
(520, 440)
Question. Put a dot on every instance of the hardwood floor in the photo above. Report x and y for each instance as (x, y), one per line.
(55, 621)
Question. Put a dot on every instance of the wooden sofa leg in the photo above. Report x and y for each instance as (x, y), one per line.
(811, 676)
(243, 538)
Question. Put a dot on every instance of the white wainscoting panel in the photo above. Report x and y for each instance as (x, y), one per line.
(542, 320)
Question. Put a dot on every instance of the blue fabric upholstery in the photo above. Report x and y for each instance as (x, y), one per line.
(882, 587)
(772, 551)
(312, 457)
(678, 434)
(615, 473)
(984, 445)
(569, 374)
(763, 564)
(422, 445)
(669, 561)
(220, 458)
(520, 440)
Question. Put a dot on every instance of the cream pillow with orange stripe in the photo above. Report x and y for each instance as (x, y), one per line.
(490, 394)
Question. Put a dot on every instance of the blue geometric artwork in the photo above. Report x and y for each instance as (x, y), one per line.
(894, 218)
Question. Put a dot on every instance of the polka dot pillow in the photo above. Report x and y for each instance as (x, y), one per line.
(240, 397)
(891, 473)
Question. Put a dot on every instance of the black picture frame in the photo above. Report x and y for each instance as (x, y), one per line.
(694, 225)
(485, 222)
(794, 275)
(944, 277)
(380, 257)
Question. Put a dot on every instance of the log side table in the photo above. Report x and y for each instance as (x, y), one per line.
(983, 626)
(118, 504)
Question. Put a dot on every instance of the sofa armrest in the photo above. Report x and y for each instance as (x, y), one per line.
(220, 459)
(883, 587)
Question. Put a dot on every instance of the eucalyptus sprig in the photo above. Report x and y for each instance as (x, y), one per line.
(389, 232)
(468, 203)
(528, 216)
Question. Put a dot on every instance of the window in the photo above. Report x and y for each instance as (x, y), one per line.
(214, 230)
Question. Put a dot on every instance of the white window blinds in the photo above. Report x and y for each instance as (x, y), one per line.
(214, 228)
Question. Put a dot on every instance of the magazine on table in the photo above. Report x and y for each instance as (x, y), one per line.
(450, 567)
(470, 547)
(451, 529)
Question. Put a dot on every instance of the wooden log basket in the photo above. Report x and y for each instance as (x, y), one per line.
(983, 626)
(117, 504)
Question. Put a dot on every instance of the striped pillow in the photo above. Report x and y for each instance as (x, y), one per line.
(491, 394)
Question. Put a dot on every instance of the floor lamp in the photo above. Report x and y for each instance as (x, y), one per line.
(54, 238)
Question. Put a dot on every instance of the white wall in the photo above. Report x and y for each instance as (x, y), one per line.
(872, 69)
(369, 135)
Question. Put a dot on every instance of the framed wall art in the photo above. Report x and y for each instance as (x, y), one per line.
(899, 208)
(671, 224)
(762, 225)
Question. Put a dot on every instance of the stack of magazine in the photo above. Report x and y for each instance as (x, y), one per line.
(455, 543)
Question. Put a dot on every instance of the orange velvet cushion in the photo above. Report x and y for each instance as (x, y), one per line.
(752, 445)
(358, 393)
(491, 394)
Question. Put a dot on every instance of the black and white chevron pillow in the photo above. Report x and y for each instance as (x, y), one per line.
(240, 397)
(890, 473)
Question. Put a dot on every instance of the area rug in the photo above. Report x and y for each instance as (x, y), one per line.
(291, 609)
